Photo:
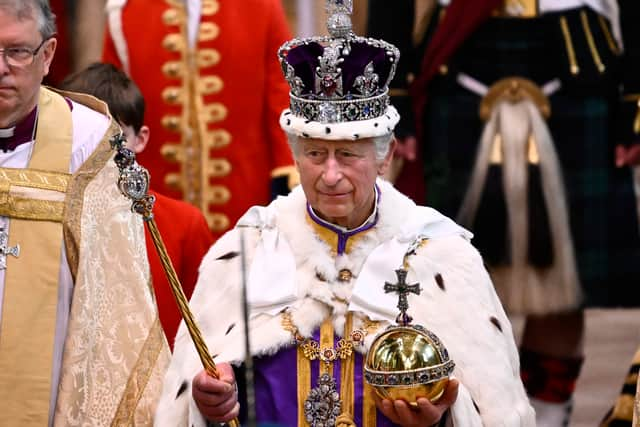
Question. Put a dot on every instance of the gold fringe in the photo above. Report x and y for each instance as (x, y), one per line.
(607, 35)
(573, 63)
(591, 42)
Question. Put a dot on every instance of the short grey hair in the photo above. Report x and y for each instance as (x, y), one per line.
(33, 9)
(381, 144)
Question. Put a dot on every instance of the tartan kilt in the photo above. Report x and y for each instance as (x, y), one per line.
(601, 202)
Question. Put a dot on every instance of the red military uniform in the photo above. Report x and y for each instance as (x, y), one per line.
(213, 109)
(187, 238)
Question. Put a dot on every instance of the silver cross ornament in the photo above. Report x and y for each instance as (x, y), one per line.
(339, 17)
(6, 250)
(334, 6)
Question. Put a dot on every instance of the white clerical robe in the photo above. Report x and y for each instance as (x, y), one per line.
(89, 128)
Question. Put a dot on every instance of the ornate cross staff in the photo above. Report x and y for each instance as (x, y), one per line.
(402, 288)
(133, 182)
(6, 250)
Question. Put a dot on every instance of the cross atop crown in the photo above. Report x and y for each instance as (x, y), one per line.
(403, 289)
(339, 17)
(339, 6)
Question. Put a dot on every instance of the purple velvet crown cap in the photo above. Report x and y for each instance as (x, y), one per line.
(305, 60)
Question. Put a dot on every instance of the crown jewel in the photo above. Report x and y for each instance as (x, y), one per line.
(340, 77)
(339, 22)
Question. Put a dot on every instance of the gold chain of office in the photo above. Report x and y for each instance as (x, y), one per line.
(343, 349)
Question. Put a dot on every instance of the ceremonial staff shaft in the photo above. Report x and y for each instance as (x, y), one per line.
(133, 182)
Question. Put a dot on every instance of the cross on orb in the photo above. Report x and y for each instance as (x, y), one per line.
(403, 289)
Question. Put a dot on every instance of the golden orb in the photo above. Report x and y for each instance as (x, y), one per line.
(407, 362)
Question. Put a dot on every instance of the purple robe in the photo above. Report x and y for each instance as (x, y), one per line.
(277, 395)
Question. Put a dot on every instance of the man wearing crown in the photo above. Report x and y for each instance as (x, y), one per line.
(317, 263)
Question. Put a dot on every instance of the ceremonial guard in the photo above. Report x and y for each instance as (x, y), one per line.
(213, 85)
(528, 120)
(316, 263)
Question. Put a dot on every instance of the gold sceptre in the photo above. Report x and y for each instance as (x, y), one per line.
(133, 182)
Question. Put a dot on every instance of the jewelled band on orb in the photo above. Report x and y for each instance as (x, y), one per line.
(409, 378)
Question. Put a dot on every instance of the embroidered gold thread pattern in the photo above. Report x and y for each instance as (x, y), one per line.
(41, 180)
(571, 53)
(80, 392)
(38, 210)
(75, 195)
(139, 377)
(591, 42)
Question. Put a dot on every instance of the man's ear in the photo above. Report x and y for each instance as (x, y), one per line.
(384, 166)
(141, 140)
(48, 51)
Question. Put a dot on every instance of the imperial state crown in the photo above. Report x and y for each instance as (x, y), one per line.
(337, 80)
